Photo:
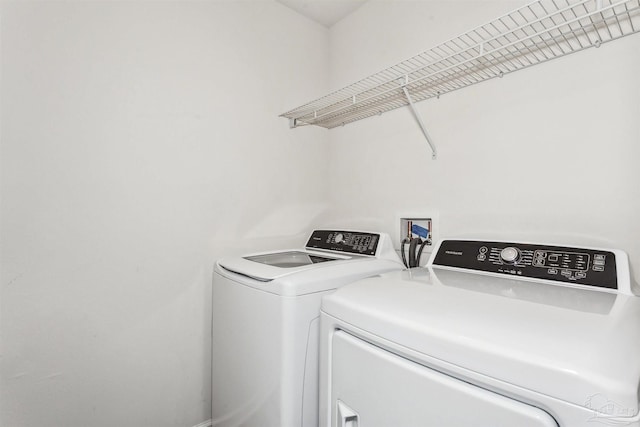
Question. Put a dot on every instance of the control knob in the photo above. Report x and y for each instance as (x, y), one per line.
(510, 254)
(339, 238)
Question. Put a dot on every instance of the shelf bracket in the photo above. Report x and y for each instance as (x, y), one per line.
(423, 128)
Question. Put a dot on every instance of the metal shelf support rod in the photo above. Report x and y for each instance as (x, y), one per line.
(434, 154)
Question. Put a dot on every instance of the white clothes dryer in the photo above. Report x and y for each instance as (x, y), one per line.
(266, 310)
(489, 334)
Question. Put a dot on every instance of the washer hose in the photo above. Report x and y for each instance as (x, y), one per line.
(404, 256)
(413, 245)
(416, 246)
(422, 246)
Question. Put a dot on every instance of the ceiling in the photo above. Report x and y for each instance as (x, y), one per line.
(324, 12)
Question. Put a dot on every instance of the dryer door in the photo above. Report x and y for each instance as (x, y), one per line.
(371, 387)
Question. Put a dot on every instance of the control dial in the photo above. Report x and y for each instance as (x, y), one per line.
(510, 254)
(339, 238)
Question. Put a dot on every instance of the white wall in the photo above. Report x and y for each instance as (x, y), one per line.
(140, 141)
(547, 153)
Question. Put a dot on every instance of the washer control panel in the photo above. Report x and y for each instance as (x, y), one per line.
(344, 241)
(563, 264)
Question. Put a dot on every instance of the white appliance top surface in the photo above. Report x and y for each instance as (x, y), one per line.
(306, 278)
(566, 342)
(267, 266)
(343, 257)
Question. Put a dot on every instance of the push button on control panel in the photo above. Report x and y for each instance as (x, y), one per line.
(482, 253)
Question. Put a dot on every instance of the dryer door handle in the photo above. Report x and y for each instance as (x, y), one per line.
(347, 417)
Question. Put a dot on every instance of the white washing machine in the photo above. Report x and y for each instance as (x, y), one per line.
(266, 310)
(489, 334)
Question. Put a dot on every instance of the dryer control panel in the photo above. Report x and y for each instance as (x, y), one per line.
(563, 264)
(344, 241)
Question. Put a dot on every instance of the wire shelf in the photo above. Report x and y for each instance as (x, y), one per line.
(532, 34)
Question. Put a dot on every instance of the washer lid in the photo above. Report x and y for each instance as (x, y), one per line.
(324, 248)
(267, 266)
(289, 259)
(574, 344)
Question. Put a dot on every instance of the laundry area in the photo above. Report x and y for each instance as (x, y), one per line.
(354, 213)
